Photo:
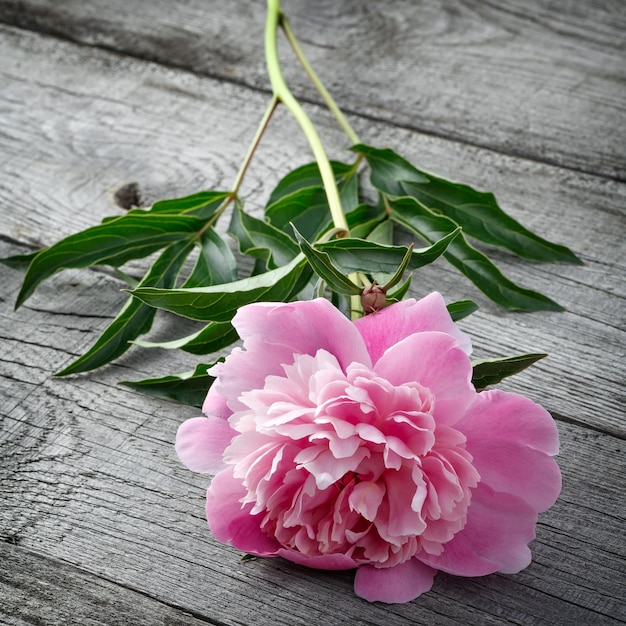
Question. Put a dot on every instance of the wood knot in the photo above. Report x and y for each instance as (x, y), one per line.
(128, 196)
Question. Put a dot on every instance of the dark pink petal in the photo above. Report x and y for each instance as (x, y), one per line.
(401, 583)
(230, 522)
(510, 438)
(323, 561)
(201, 441)
(385, 328)
(435, 361)
(495, 538)
(273, 333)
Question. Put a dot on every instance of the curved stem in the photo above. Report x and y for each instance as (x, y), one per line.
(283, 93)
(328, 99)
(255, 143)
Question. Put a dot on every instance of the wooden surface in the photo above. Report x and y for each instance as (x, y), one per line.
(100, 523)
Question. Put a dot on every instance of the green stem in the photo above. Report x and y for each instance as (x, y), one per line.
(255, 143)
(284, 95)
(328, 99)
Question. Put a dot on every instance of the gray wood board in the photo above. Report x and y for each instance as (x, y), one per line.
(95, 122)
(88, 475)
(543, 79)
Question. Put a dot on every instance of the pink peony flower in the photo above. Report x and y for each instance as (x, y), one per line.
(364, 445)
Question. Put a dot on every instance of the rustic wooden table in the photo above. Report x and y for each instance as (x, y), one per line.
(100, 524)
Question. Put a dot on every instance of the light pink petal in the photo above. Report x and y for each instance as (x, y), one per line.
(401, 583)
(201, 441)
(230, 522)
(323, 561)
(215, 404)
(435, 361)
(385, 328)
(495, 538)
(274, 332)
(510, 438)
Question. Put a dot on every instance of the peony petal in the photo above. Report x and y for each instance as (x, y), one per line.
(201, 441)
(230, 522)
(435, 361)
(385, 328)
(273, 333)
(510, 438)
(323, 561)
(495, 538)
(215, 404)
(401, 583)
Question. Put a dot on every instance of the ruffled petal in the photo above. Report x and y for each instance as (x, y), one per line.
(201, 441)
(230, 522)
(322, 561)
(495, 538)
(401, 583)
(435, 361)
(385, 328)
(273, 333)
(510, 439)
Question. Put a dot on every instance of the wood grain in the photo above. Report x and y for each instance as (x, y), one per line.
(100, 522)
(543, 80)
(91, 143)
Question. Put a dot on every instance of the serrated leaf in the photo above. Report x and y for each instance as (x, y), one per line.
(359, 255)
(187, 388)
(218, 303)
(473, 264)
(461, 309)
(213, 337)
(477, 212)
(215, 264)
(135, 318)
(491, 371)
(262, 240)
(323, 267)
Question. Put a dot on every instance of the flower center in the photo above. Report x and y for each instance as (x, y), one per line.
(346, 462)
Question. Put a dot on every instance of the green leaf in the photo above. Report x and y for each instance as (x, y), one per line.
(300, 199)
(307, 209)
(187, 388)
(135, 318)
(477, 212)
(213, 337)
(323, 267)
(422, 222)
(363, 219)
(358, 255)
(19, 261)
(203, 205)
(215, 264)
(389, 171)
(262, 240)
(401, 291)
(308, 176)
(382, 233)
(461, 309)
(130, 236)
(492, 371)
(218, 303)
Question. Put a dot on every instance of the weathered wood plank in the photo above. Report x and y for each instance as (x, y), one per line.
(96, 122)
(38, 590)
(89, 477)
(544, 80)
